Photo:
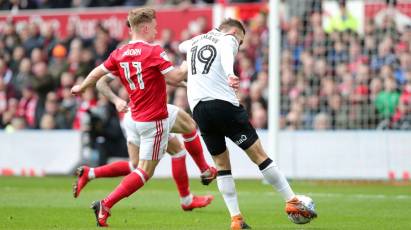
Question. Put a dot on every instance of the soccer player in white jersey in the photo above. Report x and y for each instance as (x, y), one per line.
(211, 91)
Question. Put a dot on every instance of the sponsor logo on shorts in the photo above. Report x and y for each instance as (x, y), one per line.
(241, 140)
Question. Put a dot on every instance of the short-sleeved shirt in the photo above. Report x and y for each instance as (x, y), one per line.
(141, 68)
(208, 69)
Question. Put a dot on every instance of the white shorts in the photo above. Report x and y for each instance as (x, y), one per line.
(134, 134)
(172, 115)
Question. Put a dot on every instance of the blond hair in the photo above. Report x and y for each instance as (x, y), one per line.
(138, 16)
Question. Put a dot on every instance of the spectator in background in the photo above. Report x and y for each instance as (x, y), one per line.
(51, 108)
(106, 131)
(28, 105)
(259, 116)
(17, 123)
(338, 111)
(10, 113)
(312, 107)
(245, 73)
(387, 100)
(5, 72)
(47, 122)
(293, 44)
(37, 56)
(376, 86)
(58, 63)
(403, 68)
(293, 120)
(294, 117)
(370, 47)
(23, 76)
(47, 38)
(322, 122)
(68, 106)
(82, 119)
(343, 20)
(7, 90)
(18, 55)
(255, 96)
(346, 87)
(42, 82)
(402, 116)
(385, 56)
(3, 99)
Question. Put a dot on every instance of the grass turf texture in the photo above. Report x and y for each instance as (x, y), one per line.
(47, 203)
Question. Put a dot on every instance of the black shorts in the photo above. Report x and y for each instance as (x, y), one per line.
(218, 119)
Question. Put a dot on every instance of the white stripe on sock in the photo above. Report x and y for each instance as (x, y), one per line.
(91, 174)
(137, 171)
(179, 154)
(186, 200)
(191, 138)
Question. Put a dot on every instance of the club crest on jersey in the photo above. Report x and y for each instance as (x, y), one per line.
(164, 56)
(132, 52)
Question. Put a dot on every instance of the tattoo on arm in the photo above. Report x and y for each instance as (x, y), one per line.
(104, 88)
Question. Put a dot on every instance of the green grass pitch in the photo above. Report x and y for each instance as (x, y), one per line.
(47, 203)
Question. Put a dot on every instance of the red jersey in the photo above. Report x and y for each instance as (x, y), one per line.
(141, 68)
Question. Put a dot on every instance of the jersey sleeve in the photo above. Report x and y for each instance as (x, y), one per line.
(109, 65)
(161, 60)
(184, 46)
(113, 75)
(230, 43)
(229, 48)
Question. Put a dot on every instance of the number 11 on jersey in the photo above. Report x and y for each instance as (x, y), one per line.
(127, 74)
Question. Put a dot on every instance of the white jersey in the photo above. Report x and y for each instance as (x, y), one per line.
(210, 59)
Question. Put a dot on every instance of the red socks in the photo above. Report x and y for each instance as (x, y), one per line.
(131, 183)
(193, 145)
(179, 169)
(115, 169)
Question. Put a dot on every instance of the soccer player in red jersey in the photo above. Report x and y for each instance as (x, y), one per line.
(180, 122)
(142, 68)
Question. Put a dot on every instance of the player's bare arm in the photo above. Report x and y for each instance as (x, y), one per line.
(90, 80)
(180, 84)
(177, 75)
(104, 88)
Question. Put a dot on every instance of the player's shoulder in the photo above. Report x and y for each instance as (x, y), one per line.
(138, 45)
(229, 38)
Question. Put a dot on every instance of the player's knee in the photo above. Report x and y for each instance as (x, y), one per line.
(188, 124)
(191, 126)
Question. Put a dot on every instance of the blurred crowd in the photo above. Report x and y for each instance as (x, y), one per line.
(332, 77)
(53, 4)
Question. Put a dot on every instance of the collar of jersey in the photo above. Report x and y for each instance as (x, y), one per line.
(135, 41)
